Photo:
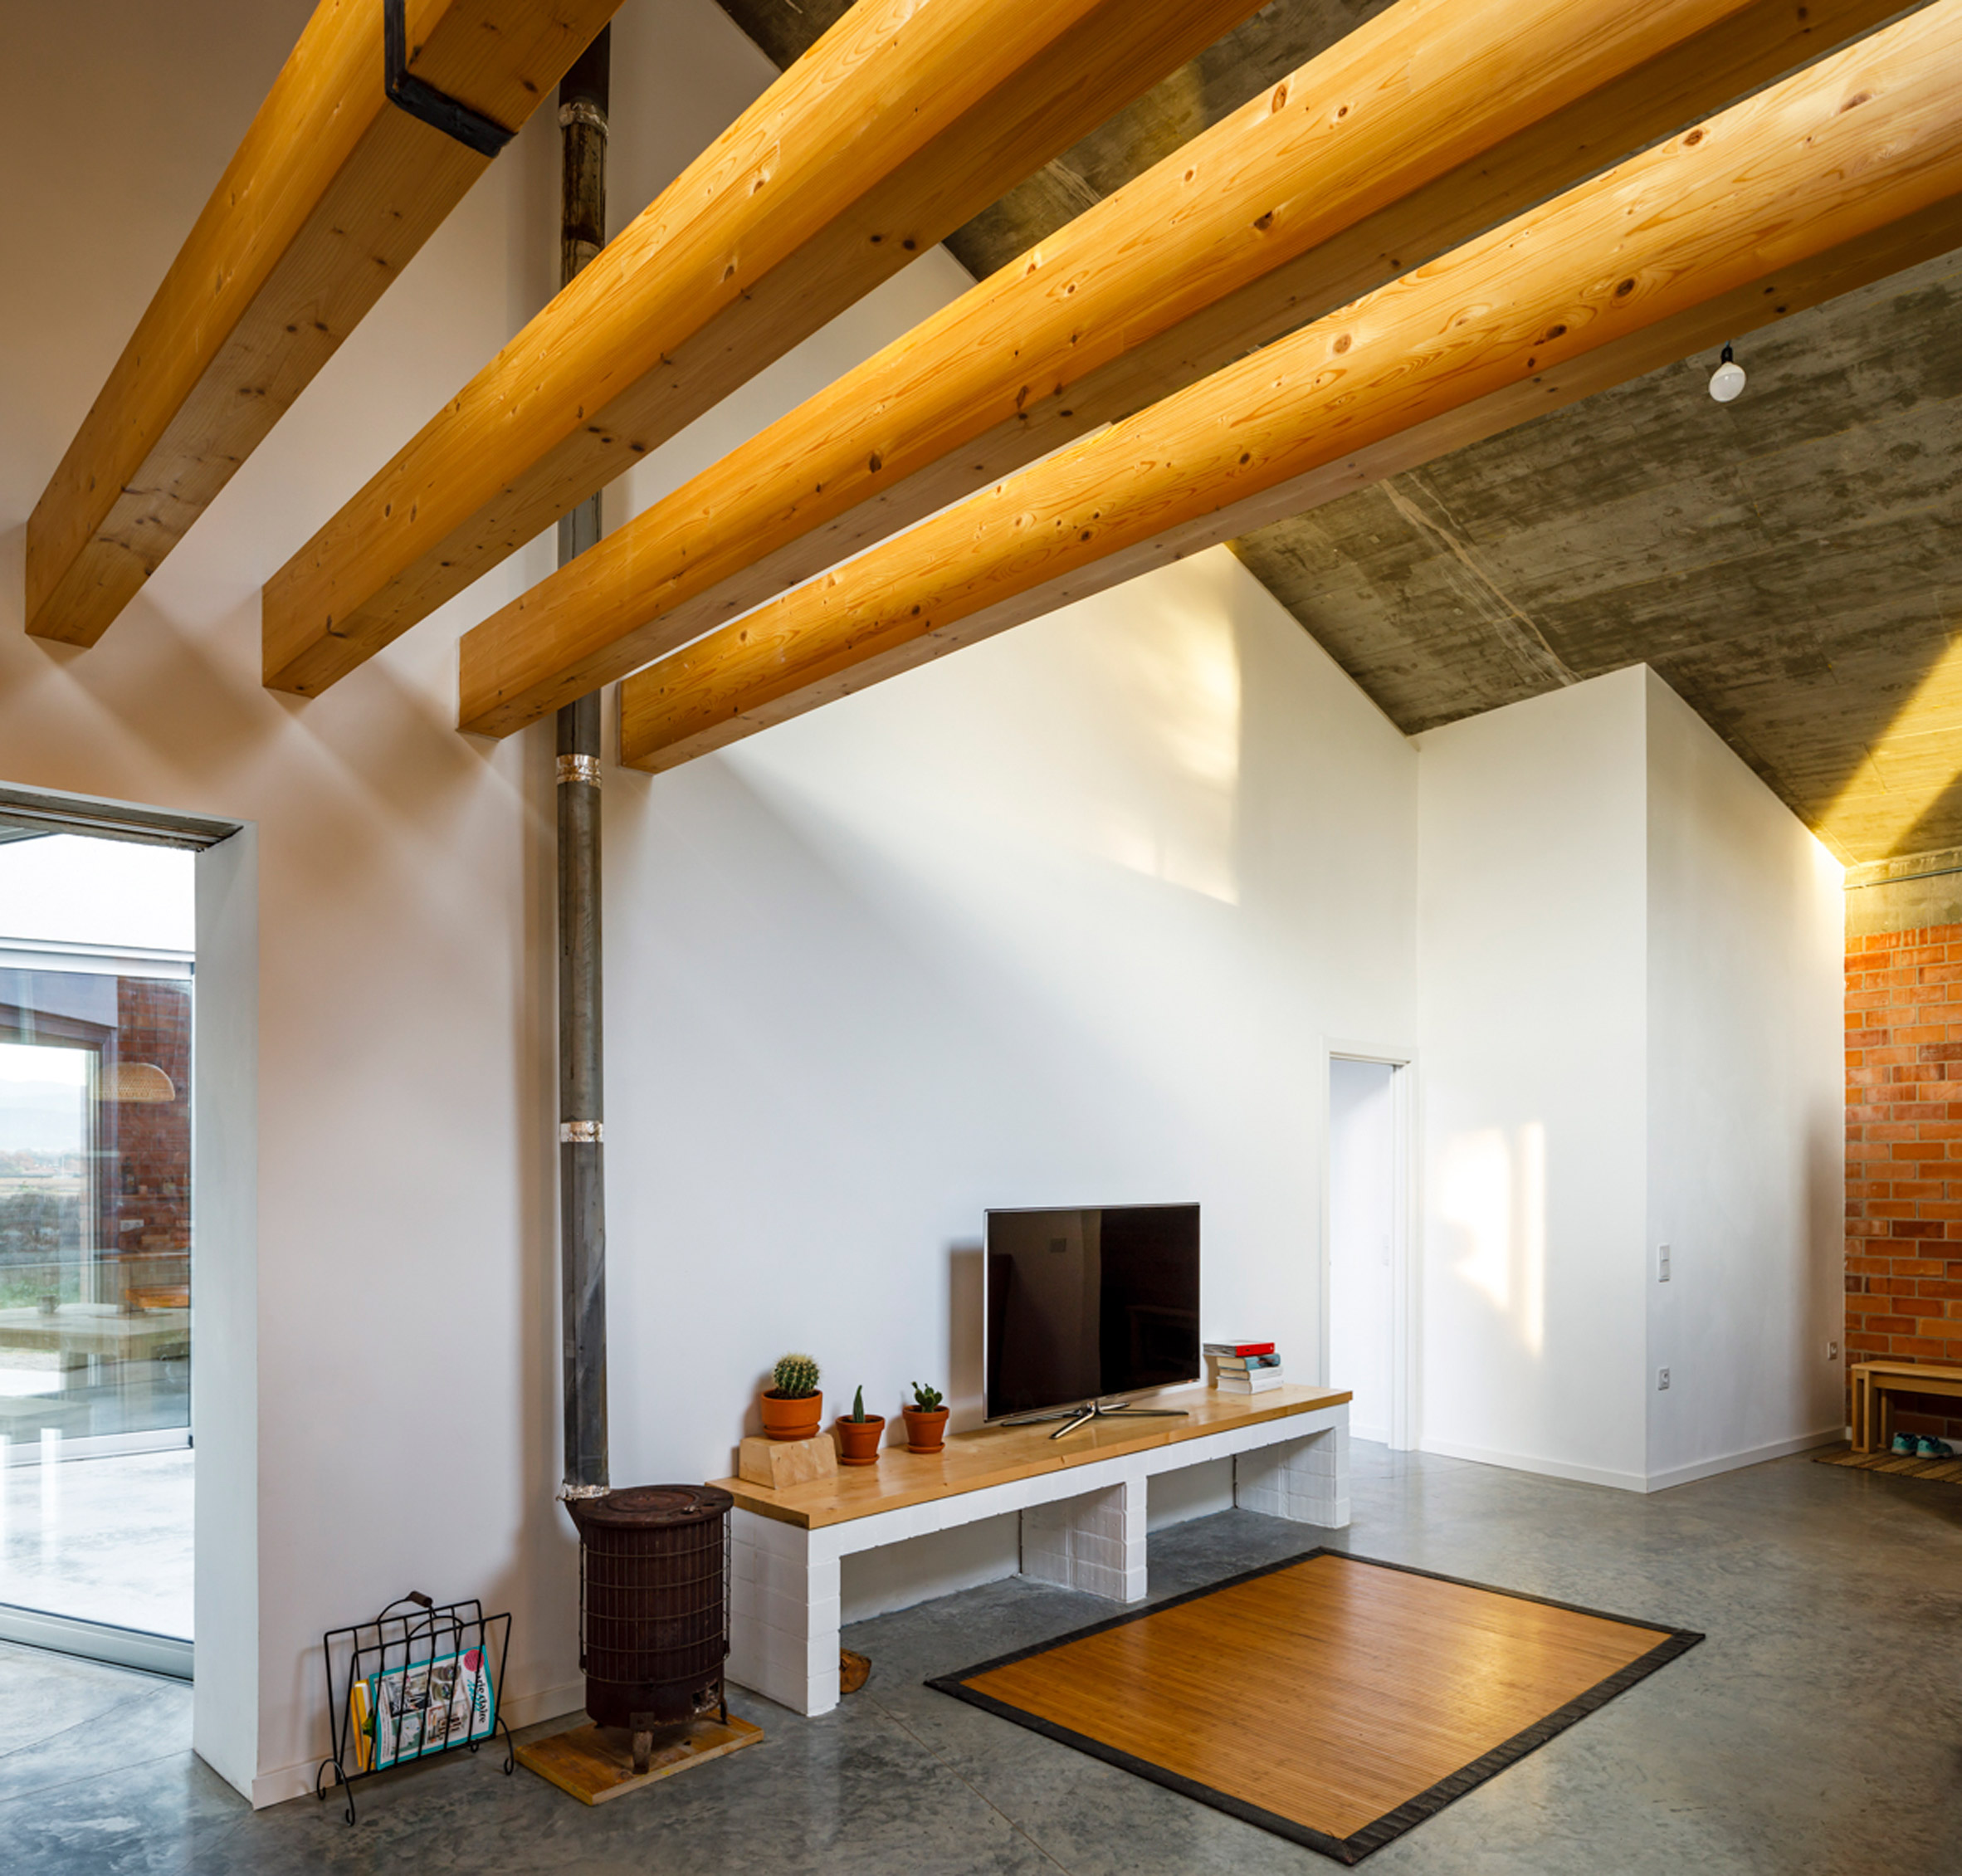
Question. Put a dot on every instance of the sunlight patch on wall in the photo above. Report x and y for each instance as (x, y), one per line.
(1492, 1192)
(1173, 677)
(1106, 738)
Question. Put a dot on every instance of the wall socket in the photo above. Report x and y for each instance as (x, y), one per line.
(1661, 1381)
(1661, 1264)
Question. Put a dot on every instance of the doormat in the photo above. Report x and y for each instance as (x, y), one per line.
(1948, 1472)
(1334, 1700)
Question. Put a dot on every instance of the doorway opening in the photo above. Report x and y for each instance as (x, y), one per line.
(1368, 1296)
(97, 972)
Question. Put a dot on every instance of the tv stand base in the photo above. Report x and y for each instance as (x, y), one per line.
(1075, 1417)
(1082, 1518)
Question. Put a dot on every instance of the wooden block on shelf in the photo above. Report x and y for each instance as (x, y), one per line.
(779, 1463)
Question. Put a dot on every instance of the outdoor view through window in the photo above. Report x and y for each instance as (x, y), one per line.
(95, 1461)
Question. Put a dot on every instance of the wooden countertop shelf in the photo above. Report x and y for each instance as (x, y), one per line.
(971, 1462)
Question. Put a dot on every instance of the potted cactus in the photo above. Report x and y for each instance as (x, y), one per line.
(926, 1420)
(859, 1435)
(794, 1409)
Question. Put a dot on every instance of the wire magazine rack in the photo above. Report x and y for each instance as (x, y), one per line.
(420, 1680)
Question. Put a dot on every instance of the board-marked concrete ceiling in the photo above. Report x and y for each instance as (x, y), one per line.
(1791, 564)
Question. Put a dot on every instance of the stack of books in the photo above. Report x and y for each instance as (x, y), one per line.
(1242, 1367)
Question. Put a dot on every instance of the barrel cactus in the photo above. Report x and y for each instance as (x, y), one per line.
(796, 1376)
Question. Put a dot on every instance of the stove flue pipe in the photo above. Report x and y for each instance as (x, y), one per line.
(582, 1169)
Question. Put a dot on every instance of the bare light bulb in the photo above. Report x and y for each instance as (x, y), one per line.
(1727, 380)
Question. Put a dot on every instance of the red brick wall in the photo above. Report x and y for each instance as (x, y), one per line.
(154, 1140)
(1904, 1157)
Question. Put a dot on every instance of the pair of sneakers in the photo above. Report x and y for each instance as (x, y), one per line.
(1912, 1446)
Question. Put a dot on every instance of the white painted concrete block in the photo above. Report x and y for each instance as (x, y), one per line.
(1094, 1542)
(1304, 1480)
(769, 1534)
(790, 1615)
(827, 1544)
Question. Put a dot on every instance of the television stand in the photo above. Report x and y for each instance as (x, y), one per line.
(1082, 1515)
(1096, 1410)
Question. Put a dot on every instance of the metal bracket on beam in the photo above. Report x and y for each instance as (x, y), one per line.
(581, 1133)
(579, 768)
(421, 100)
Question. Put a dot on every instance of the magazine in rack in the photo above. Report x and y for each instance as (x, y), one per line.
(419, 1679)
(401, 1713)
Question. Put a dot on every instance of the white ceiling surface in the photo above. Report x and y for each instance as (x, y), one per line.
(69, 889)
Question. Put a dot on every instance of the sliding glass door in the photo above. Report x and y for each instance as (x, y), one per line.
(96, 1458)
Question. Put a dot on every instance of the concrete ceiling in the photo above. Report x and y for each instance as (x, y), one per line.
(1791, 564)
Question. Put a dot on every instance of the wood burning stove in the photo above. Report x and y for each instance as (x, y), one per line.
(653, 1605)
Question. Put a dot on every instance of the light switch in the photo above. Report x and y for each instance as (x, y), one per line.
(1661, 1264)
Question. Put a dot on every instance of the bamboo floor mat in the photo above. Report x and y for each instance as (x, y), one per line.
(1333, 1700)
(1947, 1472)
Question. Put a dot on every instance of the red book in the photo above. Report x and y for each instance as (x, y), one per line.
(1239, 1348)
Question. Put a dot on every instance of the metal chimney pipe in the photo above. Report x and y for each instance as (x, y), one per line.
(582, 1166)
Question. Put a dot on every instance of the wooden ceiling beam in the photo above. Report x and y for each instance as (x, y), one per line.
(905, 120)
(1839, 176)
(332, 191)
(1421, 128)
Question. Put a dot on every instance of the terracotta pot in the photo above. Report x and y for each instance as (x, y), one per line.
(858, 1440)
(792, 1419)
(925, 1432)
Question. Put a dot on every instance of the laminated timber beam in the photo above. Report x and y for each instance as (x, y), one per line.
(1842, 175)
(905, 120)
(333, 190)
(1420, 130)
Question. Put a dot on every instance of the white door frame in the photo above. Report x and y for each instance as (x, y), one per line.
(1403, 1284)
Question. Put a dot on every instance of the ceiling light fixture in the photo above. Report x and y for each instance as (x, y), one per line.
(1727, 380)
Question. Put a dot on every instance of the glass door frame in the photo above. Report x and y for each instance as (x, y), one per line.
(231, 1695)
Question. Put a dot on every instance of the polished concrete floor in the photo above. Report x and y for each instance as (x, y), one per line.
(106, 1540)
(1819, 1728)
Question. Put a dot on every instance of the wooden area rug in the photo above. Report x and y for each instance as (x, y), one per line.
(1947, 1472)
(1333, 1700)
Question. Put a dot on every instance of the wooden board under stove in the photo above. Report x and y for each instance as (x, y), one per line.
(971, 1462)
(595, 1764)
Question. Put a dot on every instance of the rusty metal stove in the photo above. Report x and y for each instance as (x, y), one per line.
(653, 1606)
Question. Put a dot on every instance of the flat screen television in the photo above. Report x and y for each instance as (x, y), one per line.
(1088, 1305)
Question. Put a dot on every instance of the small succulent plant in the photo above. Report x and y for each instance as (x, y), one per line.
(796, 1376)
(858, 1406)
(925, 1399)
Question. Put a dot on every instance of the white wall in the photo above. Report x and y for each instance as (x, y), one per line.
(1746, 1108)
(1059, 921)
(1063, 917)
(1630, 985)
(1531, 962)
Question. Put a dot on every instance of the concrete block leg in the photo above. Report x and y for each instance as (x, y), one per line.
(1095, 1543)
(1305, 1480)
(783, 1614)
